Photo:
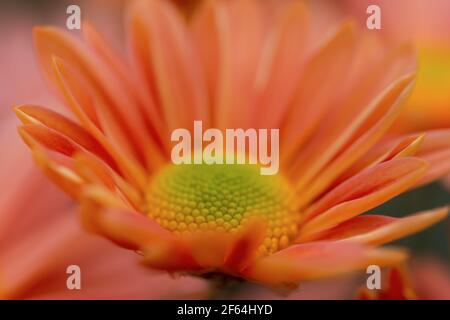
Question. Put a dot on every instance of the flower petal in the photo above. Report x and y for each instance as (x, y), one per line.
(436, 151)
(282, 60)
(221, 30)
(48, 138)
(94, 171)
(323, 71)
(174, 70)
(209, 249)
(317, 260)
(69, 86)
(99, 83)
(103, 214)
(376, 230)
(244, 249)
(388, 149)
(384, 110)
(58, 169)
(358, 123)
(37, 135)
(143, 105)
(30, 114)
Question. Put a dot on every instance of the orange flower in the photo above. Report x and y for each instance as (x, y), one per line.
(235, 64)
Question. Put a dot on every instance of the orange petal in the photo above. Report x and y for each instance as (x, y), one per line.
(100, 83)
(221, 30)
(38, 135)
(106, 53)
(94, 171)
(182, 97)
(102, 212)
(388, 106)
(318, 260)
(50, 139)
(142, 67)
(132, 170)
(363, 192)
(388, 149)
(282, 60)
(171, 257)
(60, 173)
(376, 230)
(210, 30)
(439, 167)
(244, 250)
(436, 151)
(107, 120)
(30, 114)
(209, 249)
(364, 108)
(435, 141)
(323, 71)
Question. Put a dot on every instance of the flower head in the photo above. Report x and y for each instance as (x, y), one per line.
(236, 64)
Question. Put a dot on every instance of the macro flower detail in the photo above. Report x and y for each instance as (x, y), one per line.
(398, 287)
(222, 198)
(332, 96)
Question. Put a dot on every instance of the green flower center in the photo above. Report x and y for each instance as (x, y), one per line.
(202, 197)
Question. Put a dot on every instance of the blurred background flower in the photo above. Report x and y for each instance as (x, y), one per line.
(40, 235)
(426, 24)
(430, 278)
(424, 279)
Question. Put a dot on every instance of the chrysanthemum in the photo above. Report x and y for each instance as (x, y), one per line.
(235, 64)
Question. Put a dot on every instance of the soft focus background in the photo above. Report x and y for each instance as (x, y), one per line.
(425, 23)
